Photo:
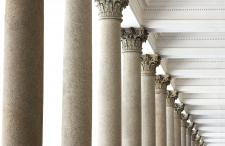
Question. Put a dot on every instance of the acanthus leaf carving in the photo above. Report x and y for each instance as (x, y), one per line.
(171, 97)
(111, 8)
(179, 108)
(161, 81)
(149, 62)
(132, 39)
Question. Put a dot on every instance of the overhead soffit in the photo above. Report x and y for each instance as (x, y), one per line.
(180, 15)
(190, 37)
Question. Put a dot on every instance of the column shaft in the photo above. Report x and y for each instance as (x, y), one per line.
(107, 104)
(183, 133)
(131, 100)
(170, 125)
(188, 137)
(160, 110)
(171, 97)
(77, 74)
(149, 64)
(23, 73)
(177, 130)
(107, 73)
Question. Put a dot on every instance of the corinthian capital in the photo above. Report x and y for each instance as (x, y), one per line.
(149, 63)
(111, 8)
(161, 82)
(184, 118)
(171, 97)
(190, 126)
(179, 108)
(194, 134)
(132, 39)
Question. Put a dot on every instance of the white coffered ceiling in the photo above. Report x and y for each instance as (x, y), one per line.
(190, 36)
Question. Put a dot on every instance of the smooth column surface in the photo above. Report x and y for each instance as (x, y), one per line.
(23, 73)
(77, 74)
(183, 132)
(171, 97)
(188, 134)
(148, 70)
(132, 39)
(177, 124)
(160, 109)
(107, 73)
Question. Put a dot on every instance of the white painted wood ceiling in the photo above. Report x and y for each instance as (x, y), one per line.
(190, 36)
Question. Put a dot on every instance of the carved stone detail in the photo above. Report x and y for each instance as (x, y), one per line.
(190, 126)
(197, 138)
(194, 134)
(171, 97)
(111, 8)
(149, 63)
(161, 82)
(132, 39)
(184, 118)
(179, 108)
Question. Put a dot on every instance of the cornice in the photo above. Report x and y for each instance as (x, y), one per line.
(190, 36)
(185, 9)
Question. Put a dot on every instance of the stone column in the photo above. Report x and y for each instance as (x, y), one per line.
(132, 39)
(107, 72)
(177, 124)
(23, 73)
(184, 118)
(148, 70)
(171, 97)
(77, 72)
(160, 108)
(188, 134)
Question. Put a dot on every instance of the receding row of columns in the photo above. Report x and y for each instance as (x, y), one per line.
(132, 107)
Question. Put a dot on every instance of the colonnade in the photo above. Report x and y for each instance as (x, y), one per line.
(132, 106)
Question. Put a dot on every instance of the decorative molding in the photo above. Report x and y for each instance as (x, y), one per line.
(149, 62)
(132, 39)
(185, 9)
(190, 36)
(111, 8)
(161, 82)
(171, 97)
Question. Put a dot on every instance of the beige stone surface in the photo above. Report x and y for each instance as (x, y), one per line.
(23, 73)
(160, 109)
(170, 126)
(170, 100)
(107, 85)
(177, 130)
(132, 39)
(183, 132)
(188, 137)
(131, 99)
(107, 73)
(77, 74)
(188, 134)
(148, 66)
